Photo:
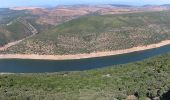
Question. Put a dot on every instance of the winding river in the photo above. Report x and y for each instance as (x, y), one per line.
(41, 66)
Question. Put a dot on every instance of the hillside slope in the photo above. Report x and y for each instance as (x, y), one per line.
(94, 33)
(149, 78)
(13, 28)
(14, 31)
(10, 29)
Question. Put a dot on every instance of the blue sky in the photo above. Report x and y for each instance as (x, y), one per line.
(14, 3)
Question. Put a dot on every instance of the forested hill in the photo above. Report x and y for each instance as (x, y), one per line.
(95, 32)
(12, 28)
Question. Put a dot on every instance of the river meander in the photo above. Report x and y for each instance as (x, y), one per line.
(41, 66)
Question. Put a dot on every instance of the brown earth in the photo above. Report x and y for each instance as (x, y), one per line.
(62, 14)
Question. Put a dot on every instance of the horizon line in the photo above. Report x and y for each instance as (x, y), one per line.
(116, 4)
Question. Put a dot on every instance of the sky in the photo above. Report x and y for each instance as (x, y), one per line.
(16, 3)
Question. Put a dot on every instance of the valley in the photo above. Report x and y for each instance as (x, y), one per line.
(85, 52)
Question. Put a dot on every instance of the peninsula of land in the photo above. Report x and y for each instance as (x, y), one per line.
(85, 55)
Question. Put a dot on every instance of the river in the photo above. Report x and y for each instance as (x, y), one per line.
(41, 66)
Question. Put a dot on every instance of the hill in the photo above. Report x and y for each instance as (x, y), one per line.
(14, 31)
(12, 28)
(60, 14)
(148, 79)
(44, 18)
(93, 33)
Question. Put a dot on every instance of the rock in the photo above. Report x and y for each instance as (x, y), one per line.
(132, 97)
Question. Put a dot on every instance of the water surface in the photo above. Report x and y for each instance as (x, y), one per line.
(40, 66)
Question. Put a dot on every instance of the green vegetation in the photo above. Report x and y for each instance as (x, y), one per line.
(99, 33)
(40, 27)
(14, 31)
(19, 29)
(149, 78)
(6, 15)
(10, 29)
(3, 39)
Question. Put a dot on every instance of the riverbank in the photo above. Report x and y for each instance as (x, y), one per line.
(83, 56)
(133, 78)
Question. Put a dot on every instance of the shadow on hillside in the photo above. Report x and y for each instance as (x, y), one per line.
(166, 96)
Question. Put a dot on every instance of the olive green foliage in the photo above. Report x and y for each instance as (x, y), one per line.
(32, 19)
(93, 33)
(19, 30)
(6, 15)
(149, 78)
(3, 39)
(10, 29)
(14, 31)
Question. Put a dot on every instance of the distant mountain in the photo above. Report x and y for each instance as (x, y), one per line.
(166, 5)
(121, 5)
(147, 5)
